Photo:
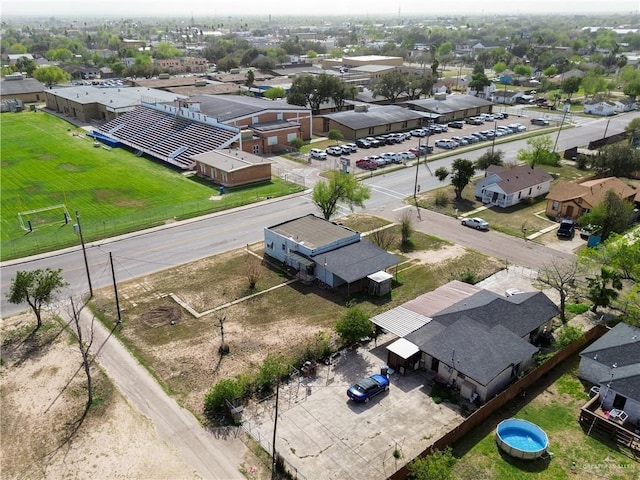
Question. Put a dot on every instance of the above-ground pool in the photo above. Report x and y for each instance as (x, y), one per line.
(521, 439)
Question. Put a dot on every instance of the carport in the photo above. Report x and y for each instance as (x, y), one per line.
(403, 356)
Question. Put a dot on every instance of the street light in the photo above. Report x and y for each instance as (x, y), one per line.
(78, 228)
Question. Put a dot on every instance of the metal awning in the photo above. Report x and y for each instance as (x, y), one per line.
(301, 259)
(400, 321)
(403, 348)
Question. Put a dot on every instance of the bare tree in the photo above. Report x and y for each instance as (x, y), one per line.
(84, 347)
(561, 276)
(383, 238)
(253, 269)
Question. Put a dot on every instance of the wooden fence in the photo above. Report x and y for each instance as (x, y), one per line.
(518, 388)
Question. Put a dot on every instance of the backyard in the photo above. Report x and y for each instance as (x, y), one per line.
(49, 164)
(554, 405)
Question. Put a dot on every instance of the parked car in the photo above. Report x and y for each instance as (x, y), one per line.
(446, 143)
(460, 140)
(318, 154)
(366, 164)
(374, 142)
(510, 292)
(456, 124)
(540, 121)
(349, 148)
(409, 155)
(471, 139)
(391, 157)
(363, 143)
(335, 151)
(476, 222)
(475, 121)
(567, 229)
(517, 127)
(418, 132)
(367, 388)
(481, 137)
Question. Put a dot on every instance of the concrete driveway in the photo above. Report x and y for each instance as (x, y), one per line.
(323, 435)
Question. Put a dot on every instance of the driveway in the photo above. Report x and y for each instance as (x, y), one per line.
(319, 430)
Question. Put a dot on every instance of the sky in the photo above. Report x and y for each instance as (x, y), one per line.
(218, 8)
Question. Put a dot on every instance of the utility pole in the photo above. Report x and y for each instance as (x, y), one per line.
(78, 228)
(566, 107)
(115, 288)
(275, 428)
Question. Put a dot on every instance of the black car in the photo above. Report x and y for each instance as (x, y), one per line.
(540, 121)
(567, 229)
(456, 124)
(363, 143)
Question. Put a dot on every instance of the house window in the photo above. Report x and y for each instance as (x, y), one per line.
(283, 246)
(255, 149)
(404, 124)
(279, 116)
(255, 119)
(388, 127)
(291, 137)
(555, 205)
(519, 195)
(371, 130)
(272, 141)
(530, 191)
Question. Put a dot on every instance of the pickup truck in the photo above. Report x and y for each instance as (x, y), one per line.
(567, 229)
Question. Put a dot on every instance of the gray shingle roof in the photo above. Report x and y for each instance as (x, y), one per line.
(452, 103)
(519, 177)
(357, 260)
(476, 351)
(314, 232)
(16, 87)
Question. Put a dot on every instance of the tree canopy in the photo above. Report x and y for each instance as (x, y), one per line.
(354, 325)
(462, 172)
(490, 157)
(341, 187)
(50, 75)
(540, 152)
(612, 214)
(37, 288)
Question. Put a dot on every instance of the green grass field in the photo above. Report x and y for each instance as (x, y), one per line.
(45, 164)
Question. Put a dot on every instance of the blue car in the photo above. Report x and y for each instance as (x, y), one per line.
(367, 388)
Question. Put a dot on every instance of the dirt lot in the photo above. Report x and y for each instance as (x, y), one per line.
(43, 397)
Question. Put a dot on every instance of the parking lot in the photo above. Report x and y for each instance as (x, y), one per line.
(323, 435)
(392, 148)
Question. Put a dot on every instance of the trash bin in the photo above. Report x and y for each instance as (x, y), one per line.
(221, 190)
(384, 370)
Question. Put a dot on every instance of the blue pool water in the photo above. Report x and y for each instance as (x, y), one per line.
(521, 438)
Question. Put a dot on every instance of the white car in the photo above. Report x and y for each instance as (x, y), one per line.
(476, 222)
(446, 143)
(318, 154)
(512, 291)
(349, 147)
(335, 151)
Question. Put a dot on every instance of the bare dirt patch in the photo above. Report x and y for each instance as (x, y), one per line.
(436, 256)
(43, 397)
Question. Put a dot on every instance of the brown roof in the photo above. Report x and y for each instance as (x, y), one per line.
(514, 179)
(592, 191)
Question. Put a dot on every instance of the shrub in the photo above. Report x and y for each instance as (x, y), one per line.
(271, 369)
(354, 325)
(296, 143)
(442, 199)
(576, 308)
(567, 335)
(223, 391)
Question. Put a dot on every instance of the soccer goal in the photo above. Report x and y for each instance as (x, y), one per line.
(42, 217)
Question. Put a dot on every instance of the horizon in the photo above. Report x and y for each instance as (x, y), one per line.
(356, 8)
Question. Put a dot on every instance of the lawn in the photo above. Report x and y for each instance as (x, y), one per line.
(47, 162)
(554, 406)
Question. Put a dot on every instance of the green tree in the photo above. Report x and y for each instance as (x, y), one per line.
(341, 187)
(406, 226)
(166, 50)
(335, 135)
(612, 214)
(490, 157)
(568, 334)
(437, 466)
(602, 289)
(479, 80)
(593, 83)
(226, 390)
(617, 160)
(227, 63)
(570, 85)
(462, 172)
(523, 70)
(499, 67)
(540, 152)
(441, 173)
(264, 63)
(275, 92)
(632, 88)
(24, 64)
(37, 288)
(618, 252)
(390, 86)
(312, 54)
(50, 75)
(250, 78)
(354, 325)
(633, 130)
(550, 71)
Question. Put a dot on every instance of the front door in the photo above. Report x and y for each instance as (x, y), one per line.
(435, 364)
(570, 211)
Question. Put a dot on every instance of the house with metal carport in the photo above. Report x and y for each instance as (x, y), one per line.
(317, 249)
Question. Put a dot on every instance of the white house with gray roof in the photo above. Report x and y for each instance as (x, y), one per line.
(319, 249)
(508, 186)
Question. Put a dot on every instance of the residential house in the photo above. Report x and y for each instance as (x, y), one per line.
(508, 186)
(571, 200)
(321, 250)
(232, 168)
(473, 338)
(368, 120)
(603, 108)
(507, 97)
(613, 364)
(626, 104)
